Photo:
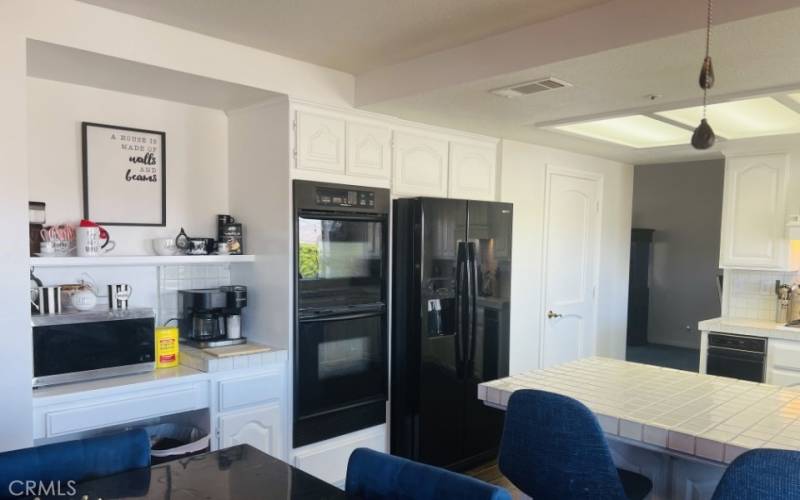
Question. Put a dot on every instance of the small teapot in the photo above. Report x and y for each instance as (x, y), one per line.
(85, 297)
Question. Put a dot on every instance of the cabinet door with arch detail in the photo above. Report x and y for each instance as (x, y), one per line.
(368, 150)
(473, 171)
(754, 212)
(320, 142)
(259, 427)
(420, 165)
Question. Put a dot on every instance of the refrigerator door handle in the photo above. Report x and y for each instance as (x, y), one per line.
(462, 283)
(472, 295)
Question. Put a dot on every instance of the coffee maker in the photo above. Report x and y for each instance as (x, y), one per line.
(212, 317)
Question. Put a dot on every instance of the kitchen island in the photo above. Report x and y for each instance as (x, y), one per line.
(679, 428)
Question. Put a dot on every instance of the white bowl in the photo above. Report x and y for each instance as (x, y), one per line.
(164, 246)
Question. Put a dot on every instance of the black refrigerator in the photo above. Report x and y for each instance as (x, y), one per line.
(451, 284)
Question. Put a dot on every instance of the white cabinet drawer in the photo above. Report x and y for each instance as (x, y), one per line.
(327, 460)
(115, 410)
(249, 391)
(783, 354)
(781, 376)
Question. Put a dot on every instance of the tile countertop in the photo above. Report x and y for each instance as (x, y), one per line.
(755, 328)
(235, 357)
(713, 418)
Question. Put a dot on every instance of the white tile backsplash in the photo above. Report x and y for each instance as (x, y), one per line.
(174, 278)
(752, 293)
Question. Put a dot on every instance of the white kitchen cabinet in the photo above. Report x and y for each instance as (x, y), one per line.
(754, 213)
(472, 172)
(369, 150)
(261, 427)
(320, 142)
(420, 165)
(783, 362)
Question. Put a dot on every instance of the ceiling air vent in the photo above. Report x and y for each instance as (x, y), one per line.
(532, 87)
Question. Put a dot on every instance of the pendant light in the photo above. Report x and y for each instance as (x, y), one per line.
(703, 136)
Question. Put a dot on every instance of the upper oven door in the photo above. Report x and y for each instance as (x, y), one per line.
(340, 259)
(341, 361)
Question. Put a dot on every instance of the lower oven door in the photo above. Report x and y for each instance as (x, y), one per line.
(733, 363)
(340, 375)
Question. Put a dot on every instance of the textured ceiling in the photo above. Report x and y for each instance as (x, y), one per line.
(349, 35)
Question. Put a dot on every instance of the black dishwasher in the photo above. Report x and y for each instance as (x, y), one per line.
(736, 356)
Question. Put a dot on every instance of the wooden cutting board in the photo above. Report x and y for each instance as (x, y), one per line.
(236, 350)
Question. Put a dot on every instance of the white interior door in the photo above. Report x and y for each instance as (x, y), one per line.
(572, 215)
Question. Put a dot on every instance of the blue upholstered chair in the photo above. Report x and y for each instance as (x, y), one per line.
(377, 476)
(761, 474)
(553, 448)
(79, 460)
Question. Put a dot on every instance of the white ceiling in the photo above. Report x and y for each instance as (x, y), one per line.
(749, 56)
(349, 35)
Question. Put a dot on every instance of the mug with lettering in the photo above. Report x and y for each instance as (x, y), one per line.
(90, 238)
(118, 295)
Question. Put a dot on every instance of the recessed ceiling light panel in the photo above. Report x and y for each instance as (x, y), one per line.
(742, 119)
(636, 131)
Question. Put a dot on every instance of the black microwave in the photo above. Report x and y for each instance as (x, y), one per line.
(87, 345)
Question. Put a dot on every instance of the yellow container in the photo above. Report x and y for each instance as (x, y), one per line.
(167, 347)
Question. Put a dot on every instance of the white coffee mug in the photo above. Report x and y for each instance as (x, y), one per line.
(90, 242)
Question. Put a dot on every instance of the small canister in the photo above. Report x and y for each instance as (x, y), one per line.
(167, 347)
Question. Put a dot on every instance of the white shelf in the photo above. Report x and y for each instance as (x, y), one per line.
(138, 260)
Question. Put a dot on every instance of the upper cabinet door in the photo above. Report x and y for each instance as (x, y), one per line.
(320, 142)
(420, 165)
(368, 150)
(473, 171)
(754, 213)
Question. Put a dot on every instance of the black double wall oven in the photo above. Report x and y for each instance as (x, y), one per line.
(340, 341)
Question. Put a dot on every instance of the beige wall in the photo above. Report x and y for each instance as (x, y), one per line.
(197, 156)
(522, 183)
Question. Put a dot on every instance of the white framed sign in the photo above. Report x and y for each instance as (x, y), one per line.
(124, 175)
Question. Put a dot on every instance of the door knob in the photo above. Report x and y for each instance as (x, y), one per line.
(551, 315)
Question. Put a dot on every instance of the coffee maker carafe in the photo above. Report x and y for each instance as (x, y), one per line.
(211, 317)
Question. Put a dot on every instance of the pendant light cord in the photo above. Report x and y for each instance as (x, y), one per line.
(706, 61)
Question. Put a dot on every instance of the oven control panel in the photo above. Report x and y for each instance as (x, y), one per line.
(330, 197)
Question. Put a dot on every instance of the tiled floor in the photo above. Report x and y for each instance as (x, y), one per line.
(667, 356)
(714, 418)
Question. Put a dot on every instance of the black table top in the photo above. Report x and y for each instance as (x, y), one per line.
(238, 473)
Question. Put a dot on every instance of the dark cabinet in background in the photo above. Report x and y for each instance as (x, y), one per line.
(639, 285)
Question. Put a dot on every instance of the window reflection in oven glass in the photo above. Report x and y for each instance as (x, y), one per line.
(333, 249)
(346, 357)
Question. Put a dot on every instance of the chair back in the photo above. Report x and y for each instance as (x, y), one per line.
(553, 448)
(77, 461)
(761, 474)
(377, 476)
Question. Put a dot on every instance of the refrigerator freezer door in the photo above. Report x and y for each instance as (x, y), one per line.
(441, 377)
